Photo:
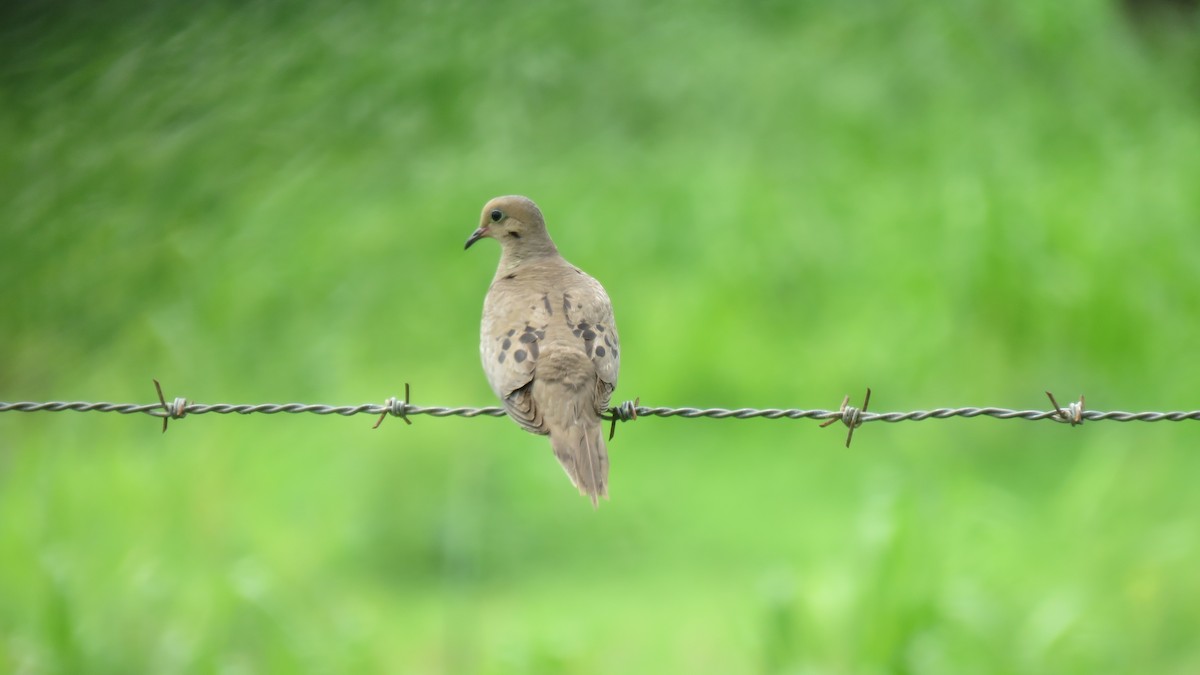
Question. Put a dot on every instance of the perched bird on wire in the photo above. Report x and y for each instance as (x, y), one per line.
(548, 341)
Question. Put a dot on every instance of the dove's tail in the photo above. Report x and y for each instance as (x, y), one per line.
(564, 389)
(580, 449)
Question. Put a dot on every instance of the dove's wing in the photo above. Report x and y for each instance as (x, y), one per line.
(515, 319)
(523, 313)
(589, 316)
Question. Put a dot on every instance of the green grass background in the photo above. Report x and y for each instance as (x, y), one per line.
(264, 202)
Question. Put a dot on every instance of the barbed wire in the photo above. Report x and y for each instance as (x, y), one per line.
(852, 417)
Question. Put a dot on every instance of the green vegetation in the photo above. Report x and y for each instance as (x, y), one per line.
(787, 201)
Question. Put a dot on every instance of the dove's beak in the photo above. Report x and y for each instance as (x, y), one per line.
(476, 236)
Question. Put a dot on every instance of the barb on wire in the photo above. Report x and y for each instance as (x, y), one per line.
(396, 407)
(1073, 414)
(850, 416)
(626, 412)
(175, 411)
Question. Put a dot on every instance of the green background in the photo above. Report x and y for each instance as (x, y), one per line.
(787, 202)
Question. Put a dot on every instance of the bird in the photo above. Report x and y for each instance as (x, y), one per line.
(548, 341)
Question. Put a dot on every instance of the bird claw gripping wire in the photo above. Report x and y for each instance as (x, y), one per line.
(626, 412)
(850, 416)
(1072, 415)
(175, 411)
(396, 407)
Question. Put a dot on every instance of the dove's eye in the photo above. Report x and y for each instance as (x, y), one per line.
(496, 215)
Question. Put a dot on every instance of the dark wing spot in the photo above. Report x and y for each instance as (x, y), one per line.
(566, 303)
(528, 328)
(599, 328)
(500, 358)
(584, 330)
(511, 276)
(576, 332)
(533, 350)
(606, 341)
(546, 302)
(541, 334)
(519, 355)
(511, 331)
(506, 344)
(528, 337)
(599, 351)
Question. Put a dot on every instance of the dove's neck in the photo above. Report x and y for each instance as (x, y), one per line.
(529, 250)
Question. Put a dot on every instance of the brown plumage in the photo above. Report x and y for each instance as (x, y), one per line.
(548, 341)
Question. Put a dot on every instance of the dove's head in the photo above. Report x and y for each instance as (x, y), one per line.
(515, 222)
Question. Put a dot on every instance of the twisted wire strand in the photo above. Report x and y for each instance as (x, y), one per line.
(631, 412)
(156, 409)
(852, 417)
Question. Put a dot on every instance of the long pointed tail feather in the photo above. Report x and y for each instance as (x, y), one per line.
(581, 452)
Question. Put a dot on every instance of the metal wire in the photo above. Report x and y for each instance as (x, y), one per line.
(851, 416)
(155, 409)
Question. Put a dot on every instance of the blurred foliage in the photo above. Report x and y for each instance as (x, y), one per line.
(956, 205)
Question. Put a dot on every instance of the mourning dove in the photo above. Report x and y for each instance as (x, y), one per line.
(548, 341)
